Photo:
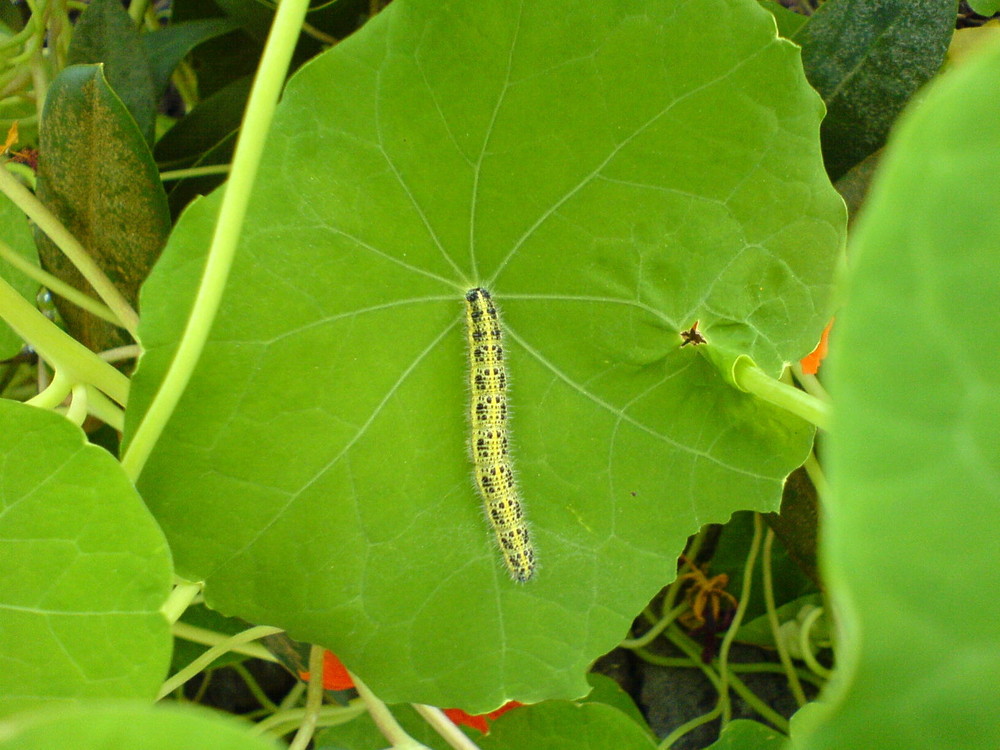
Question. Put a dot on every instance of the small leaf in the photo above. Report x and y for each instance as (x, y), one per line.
(96, 174)
(85, 570)
(104, 33)
(867, 58)
(910, 539)
(166, 47)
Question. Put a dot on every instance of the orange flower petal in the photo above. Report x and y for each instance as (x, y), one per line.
(335, 674)
(458, 716)
(810, 363)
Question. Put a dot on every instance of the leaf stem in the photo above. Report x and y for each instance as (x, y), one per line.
(75, 362)
(384, 719)
(753, 380)
(804, 645)
(71, 248)
(211, 638)
(77, 411)
(56, 285)
(180, 174)
(179, 600)
(196, 666)
(772, 618)
(445, 727)
(314, 700)
(249, 150)
(727, 639)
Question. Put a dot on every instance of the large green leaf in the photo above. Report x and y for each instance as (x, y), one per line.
(911, 533)
(612, 172)
(85, 570)
(97, 175)
(867, 58)
(129, 725)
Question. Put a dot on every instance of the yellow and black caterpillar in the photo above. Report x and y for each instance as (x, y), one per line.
(489, 442)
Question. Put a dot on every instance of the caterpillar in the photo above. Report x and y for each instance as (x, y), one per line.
(489, 440)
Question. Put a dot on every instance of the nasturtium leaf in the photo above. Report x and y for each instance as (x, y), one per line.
(788, 21)
(212, 121)
(607, 691)
(96, 173)
(867, 58)
(15, 233)
(985, 7)
(910, 535)
(85, 570)
(744, 734)
(106, 34)
(166, 47)
(558, 725)
(132, 725)
(612, 173)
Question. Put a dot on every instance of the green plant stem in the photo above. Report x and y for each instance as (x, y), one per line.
(249, 150)
(68, 356)
(129, 351)
(772, 618)
(211, 655)
(53, 394)
(445, 727)
(810, 383)
(650, 635)
(689, 726)
(179, 600)
(683, 642)
(71, 247)
(211, 638)
(284, 721)
(807, 655)
(254, 687)
(753, 380)
(816, 476)
(384, 719)
(682, 662)
(57, 285)
(77, 411)
(105, 409)
(180, 174)
(314, 699)
(727, 639)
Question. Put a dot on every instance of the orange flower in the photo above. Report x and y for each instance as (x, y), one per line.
(336, 677)
(810, 363)
(335, 674)
(458, 716)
